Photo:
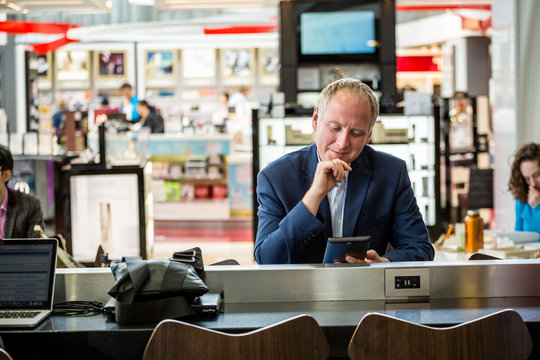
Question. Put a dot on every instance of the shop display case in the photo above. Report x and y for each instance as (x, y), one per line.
(111, 207)
(193, 177)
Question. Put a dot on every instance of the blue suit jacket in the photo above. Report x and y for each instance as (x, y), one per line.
(379, 202)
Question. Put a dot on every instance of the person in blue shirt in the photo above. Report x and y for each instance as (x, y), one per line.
(58, 118)
(525, 186)
(129, 105)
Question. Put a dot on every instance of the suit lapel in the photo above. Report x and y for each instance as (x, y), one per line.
(358, 183)
(309, 168)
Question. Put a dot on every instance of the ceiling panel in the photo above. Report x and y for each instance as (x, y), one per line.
(27, 6)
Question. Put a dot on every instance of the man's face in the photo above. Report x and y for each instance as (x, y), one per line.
(126, 92)
(344, 128)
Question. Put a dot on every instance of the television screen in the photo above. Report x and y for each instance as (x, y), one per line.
(337, 32)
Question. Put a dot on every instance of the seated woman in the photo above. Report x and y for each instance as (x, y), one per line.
(150, 117)
(525, 186)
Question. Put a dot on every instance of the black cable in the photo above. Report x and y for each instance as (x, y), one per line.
(78, 308)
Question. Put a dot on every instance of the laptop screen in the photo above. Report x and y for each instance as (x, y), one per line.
(27, 273)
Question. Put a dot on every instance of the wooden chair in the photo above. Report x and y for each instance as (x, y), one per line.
(297, 338)
(501, 335)
(4, 355)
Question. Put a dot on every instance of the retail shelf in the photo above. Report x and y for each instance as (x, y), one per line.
(206, 209)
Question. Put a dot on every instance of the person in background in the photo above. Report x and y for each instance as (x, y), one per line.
(524, 185)
(240, 97)
(150, 117)
(19, 212)
(339, 187)
(129, 105)
(58, 118)
(221, 113)
(461, 127)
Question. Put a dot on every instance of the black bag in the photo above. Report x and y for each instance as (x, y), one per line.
(191, 257)
(152, 290)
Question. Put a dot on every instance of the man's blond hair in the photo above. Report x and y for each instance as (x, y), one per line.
(357, 89)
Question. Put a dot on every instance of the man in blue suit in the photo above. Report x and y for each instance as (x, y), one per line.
(337, 187)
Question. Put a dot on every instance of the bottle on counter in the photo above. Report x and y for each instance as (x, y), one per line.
(474, 231)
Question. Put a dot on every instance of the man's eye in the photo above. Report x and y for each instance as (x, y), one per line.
(334, 128)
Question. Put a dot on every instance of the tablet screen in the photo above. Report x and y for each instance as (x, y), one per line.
(337, 249)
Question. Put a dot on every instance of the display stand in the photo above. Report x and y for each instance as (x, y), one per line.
(108, 207)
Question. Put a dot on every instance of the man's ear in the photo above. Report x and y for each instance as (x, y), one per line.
(369, 137)
(315, 119)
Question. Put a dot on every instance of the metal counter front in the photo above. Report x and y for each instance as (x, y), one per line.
(337, 296)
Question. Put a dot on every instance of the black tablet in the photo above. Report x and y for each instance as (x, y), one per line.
(338, 248)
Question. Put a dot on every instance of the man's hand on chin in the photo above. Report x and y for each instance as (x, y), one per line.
(371, 257)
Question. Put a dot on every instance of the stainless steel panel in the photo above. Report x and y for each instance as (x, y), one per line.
(299, 283)
(89, 284)
(486, 279)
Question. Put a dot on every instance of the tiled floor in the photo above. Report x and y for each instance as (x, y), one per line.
(218, 240)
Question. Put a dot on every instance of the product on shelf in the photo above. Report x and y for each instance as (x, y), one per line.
(219, 191)
(195, 167)
(172, 191)
(202, 191)
(380, 135)
(187, 192)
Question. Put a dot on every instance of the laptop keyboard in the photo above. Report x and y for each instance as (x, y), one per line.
(18, 314)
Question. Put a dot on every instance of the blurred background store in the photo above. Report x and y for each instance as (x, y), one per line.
(235, 83)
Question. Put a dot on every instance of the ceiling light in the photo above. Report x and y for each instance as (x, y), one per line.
(14, 6)
(142, 2)
(215, 4)
(51, 2)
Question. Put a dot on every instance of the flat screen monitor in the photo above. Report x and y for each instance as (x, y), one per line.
(333, 32)
(337, 32)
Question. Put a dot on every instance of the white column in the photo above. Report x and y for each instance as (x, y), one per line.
(515, 92)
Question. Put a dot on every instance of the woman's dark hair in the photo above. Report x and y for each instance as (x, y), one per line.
(146, 104)
(517, 184)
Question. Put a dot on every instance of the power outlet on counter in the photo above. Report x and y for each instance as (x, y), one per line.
(406, 282)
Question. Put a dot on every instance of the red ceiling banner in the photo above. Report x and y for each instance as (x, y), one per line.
(253, 29)
(25, 27)
(44, 48)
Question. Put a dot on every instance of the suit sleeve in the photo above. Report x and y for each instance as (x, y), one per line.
(35, 217)
(410, 237)
(282, 236)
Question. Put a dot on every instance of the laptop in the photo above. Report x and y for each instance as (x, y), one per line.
(27, 274)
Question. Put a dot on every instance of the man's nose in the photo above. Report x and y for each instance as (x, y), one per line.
(343, 139)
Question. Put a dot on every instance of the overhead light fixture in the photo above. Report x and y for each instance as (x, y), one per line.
(14, 6)
(212, 4)
(142, 2)
(58, 5)
(51, 2)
